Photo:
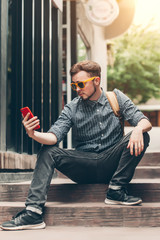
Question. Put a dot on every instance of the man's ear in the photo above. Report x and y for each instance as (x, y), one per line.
(97, 80)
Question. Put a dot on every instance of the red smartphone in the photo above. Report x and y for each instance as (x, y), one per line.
(24, 112)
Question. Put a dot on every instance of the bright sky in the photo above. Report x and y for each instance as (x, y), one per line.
(146, 10)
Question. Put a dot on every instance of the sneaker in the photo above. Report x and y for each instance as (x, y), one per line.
(24, 220)
(121, 197)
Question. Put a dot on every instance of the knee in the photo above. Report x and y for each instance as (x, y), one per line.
(46, 151)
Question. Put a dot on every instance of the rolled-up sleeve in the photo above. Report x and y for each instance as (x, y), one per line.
(63, 124)
(128, 109)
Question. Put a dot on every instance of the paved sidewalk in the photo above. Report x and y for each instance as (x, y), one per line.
(83, 233)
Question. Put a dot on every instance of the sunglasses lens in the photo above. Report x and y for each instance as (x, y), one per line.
(74, 86)
(81, 85)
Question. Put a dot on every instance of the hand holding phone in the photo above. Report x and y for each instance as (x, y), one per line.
(24, 112)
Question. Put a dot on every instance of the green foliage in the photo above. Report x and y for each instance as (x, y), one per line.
(136, 64)
(82, 52)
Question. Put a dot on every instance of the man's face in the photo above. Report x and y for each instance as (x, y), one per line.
(89, 88)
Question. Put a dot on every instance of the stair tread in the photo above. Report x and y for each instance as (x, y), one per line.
(97, 204)
(64, 190)
(68, 181)
(91, 214)
(148, 167)
(54, 181)
(79, 204)
(145, 180)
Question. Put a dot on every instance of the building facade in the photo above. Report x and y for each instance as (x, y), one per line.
(31, 66)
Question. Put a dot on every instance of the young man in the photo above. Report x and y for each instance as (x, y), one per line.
(102, 154)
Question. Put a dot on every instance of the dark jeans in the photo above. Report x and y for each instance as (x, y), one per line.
(115, 166)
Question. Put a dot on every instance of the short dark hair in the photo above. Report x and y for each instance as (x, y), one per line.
(88, 66)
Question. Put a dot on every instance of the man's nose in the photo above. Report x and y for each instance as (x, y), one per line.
(78, 89)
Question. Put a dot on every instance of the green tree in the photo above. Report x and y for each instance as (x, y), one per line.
(82, 51)
(136, 64)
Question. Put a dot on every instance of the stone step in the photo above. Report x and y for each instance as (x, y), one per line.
(91, 214)
(12, 160)
(64, 190)
(147, 172)
(150, 159)
(141, 171)
(149, 167)
(14, 176)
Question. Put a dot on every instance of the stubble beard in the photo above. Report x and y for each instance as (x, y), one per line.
(85, 99)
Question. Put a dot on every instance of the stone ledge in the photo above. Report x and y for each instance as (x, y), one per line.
(13, 160)
(66, 191)
(91, 214)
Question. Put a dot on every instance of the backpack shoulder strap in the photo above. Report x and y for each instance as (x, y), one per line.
(112, 98)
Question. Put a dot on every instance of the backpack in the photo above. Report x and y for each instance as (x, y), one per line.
(112, 98)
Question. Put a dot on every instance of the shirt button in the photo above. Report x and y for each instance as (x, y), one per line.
(102, 135)
(100, 123)
(99, 144)
(97, 110)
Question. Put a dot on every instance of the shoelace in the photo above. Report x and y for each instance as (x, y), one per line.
(23, 212)
(125, 190)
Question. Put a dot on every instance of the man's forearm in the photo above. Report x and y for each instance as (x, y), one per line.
(44, 138)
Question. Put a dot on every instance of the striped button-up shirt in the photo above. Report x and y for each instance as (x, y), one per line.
(94, 124)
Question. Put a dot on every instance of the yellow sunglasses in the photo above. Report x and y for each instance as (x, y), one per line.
(81, 84)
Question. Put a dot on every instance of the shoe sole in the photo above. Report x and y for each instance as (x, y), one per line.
(113, 202)
(25, 227)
